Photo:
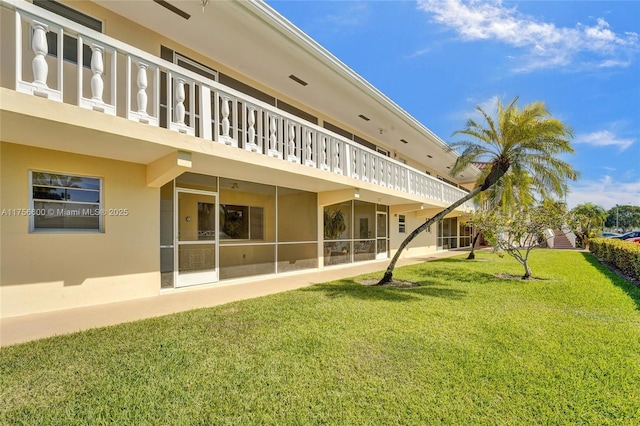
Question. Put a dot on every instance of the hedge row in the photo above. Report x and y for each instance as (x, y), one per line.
(623, 254)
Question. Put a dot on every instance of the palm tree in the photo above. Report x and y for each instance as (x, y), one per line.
(527, 142)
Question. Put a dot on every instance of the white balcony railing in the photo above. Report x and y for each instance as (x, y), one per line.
(222, 115)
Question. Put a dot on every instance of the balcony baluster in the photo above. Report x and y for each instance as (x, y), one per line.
(309, 155)
(251, 144)
(142, 88)
(40, 48)
(291, 142)
(274, 146)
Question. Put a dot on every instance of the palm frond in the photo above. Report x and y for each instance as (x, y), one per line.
(530, 141)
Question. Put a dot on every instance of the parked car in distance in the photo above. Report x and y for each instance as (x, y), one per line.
(635, 240)
(627, 235)
(609, 235)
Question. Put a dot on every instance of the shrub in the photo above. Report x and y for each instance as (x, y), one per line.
(625, 255)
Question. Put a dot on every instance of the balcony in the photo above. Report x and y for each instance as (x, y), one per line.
(113, 78)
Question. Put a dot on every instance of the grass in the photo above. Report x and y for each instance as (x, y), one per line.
(464, 347)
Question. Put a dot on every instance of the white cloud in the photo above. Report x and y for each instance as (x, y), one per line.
(613, 63)
(605, 192)
(355, 13)
(544, 45)
(603, 138)
(489, 105)
(419, 52)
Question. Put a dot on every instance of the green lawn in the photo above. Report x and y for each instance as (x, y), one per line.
(463, 348)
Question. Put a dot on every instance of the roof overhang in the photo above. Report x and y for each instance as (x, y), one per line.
(254, 40)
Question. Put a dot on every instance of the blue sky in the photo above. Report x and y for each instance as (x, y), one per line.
(439, 59)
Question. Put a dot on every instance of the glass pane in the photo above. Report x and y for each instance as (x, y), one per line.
(255, 202)
(235, 222)
(52, 179)
(246, 259)
(382, 246)
(66, 216)
(365, 216)
(382, 225)
(186, 102)
(256, 223)
(364, 250)
(62, 194)
(297, 215)
(206, 221)
(196, 221)
(166, 267)
(337, 252)
(337, 221)
(194, 258)
(166, 214)
(294, 257)
(198, 68)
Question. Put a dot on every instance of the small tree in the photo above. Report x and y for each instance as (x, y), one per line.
(586, 221)
(513, 191)
(521, 231)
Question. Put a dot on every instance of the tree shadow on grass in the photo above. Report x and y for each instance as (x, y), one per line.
(447, 276)
(353, 288)
(441, 272)
(504, 274)
(631, 289)
(429, 280)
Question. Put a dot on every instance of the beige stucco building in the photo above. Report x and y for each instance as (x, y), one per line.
(148, 146)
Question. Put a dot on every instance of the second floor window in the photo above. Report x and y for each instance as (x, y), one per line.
(70, 45)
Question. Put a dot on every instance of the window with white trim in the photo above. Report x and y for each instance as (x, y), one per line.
(64, 202)
(428, 229)
(402, 224)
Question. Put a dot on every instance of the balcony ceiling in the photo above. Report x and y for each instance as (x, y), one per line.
(257, 42)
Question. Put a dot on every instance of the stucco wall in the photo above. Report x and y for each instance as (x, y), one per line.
(49, 271)
(423, 244)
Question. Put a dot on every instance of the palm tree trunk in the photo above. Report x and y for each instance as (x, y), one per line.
(498, 169)
(472, 254)
(388, 275)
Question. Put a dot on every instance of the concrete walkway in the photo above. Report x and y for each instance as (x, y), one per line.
(31, 327)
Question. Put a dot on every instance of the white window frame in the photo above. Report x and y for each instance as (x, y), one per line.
(32, 211)
(249, 223)
(78, 17)
(382, 151)
(402, 224)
